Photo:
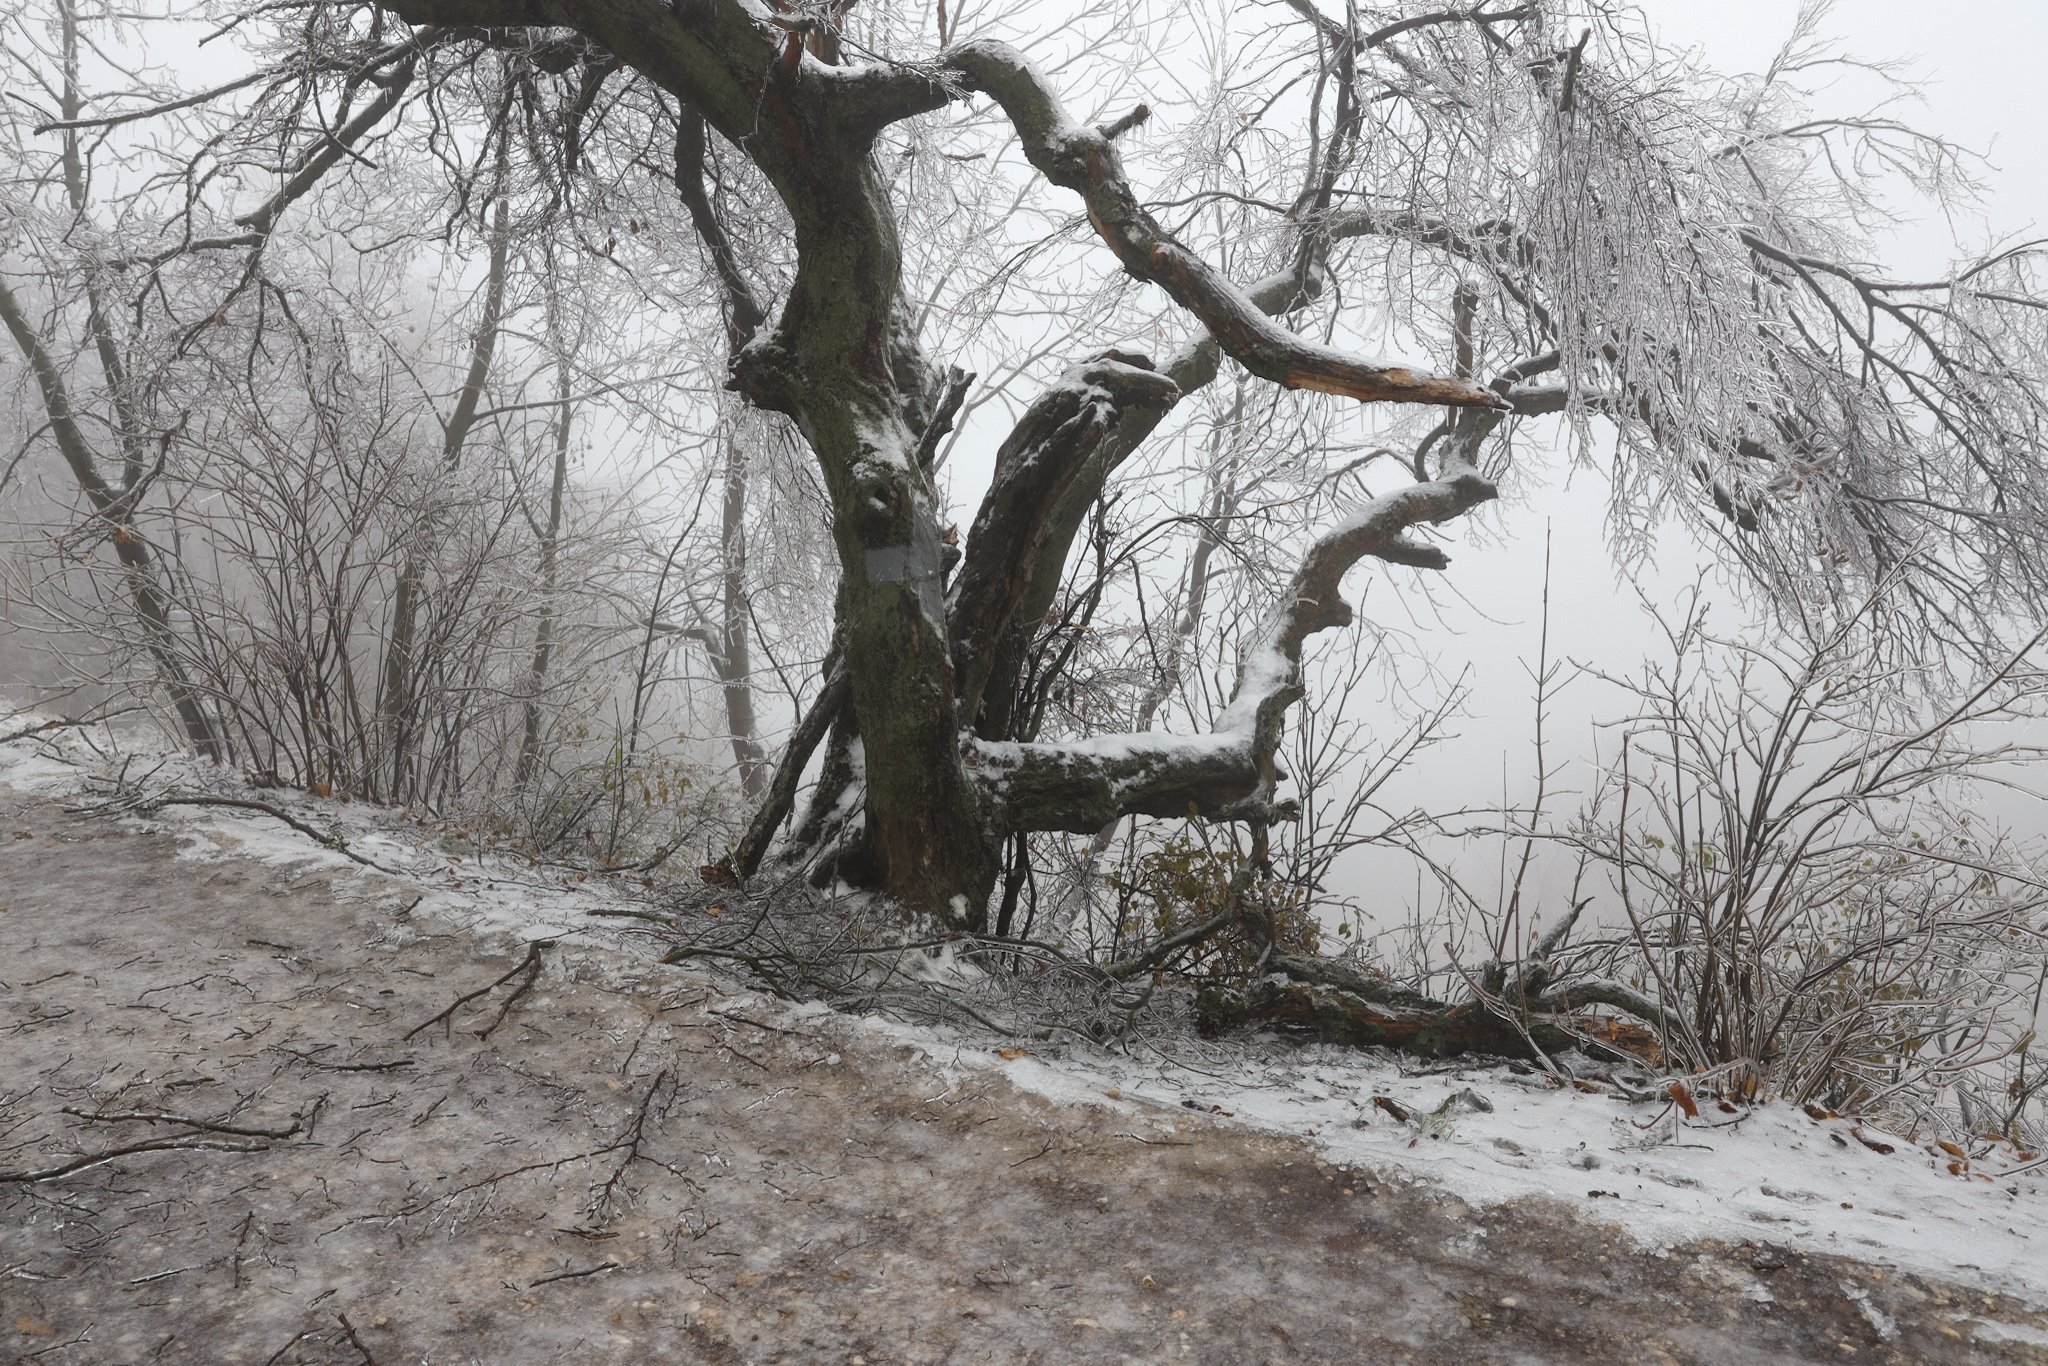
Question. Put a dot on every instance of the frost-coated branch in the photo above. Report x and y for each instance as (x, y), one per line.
(1082, 785)
(1085, 161)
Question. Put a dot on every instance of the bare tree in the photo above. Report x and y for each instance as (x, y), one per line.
(1573, 228)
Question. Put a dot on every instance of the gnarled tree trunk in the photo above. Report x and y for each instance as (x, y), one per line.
(936, 800)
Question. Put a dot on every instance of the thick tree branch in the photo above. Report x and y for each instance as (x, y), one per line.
(1048, 446)
(708, 52)
(1084, 161)
(753, 846)
(744, 312)
(1081, 785)
(1194, 368)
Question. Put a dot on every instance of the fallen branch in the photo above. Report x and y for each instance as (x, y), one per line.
(182, 1143)
(327, 841)
(155, 1117)
(572, 1275)
(529, 965)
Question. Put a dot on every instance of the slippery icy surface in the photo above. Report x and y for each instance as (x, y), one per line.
(1772, 1174)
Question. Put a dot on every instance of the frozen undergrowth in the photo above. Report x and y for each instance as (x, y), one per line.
(1773, 1174)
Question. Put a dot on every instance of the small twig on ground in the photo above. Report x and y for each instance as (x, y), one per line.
(572, 1275)
(530, 964)
(183, 1142)
(555, 1165)
(741, 1019)
(166, 1275)
(667, 920)
(312, 1061)
(355, 1341)
(743, 1057)
(248, 1222)
(1035, 1156)
(154, 1117)
(83, 1335)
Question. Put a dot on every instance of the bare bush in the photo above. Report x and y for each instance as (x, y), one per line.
(1794, 838)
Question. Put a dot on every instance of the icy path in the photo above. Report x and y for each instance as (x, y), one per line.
(1772, 1175)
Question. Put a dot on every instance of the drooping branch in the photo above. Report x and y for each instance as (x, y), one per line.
(1083, 160)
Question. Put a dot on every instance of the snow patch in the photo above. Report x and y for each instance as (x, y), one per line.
(1771, 1174)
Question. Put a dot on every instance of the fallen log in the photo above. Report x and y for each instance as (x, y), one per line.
(1335, 1016)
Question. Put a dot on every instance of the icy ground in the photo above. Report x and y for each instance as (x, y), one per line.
(1485, 1134)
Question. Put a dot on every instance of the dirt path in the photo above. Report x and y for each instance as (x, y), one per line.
(641, 1166)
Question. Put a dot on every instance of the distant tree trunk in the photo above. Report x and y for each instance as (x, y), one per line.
(732, 660)
(399, 699)
(117, 510)
(115, 507)
(544, 633)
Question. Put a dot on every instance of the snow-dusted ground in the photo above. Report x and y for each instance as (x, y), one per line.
(1772, 1175)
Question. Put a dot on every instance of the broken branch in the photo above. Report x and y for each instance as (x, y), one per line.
(530, 964)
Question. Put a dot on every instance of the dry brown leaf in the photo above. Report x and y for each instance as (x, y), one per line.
(1008, 1054)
